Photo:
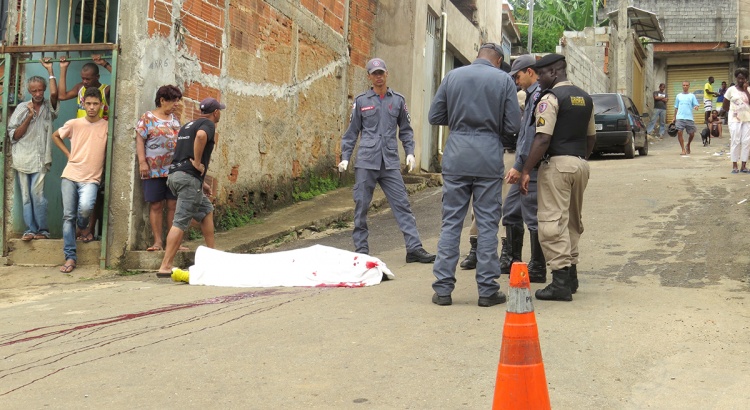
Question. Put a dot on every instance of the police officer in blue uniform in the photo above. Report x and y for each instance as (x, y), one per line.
(518, 208)
(478, 103)
(379, 116)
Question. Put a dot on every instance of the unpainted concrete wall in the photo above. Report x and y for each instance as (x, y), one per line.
(585, 54)
(692, 20)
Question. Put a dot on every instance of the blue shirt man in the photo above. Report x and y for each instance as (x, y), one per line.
(684, 104)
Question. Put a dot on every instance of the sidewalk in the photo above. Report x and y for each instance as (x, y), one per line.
(315, 214)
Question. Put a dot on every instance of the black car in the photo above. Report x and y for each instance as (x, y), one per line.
(619, 127)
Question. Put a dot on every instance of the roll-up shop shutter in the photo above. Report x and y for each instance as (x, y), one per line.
(697, 75)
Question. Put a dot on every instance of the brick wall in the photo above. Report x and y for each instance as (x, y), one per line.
(691, 20)
(284, 68)
(361, 31)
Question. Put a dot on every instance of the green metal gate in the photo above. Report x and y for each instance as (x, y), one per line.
(90, 23)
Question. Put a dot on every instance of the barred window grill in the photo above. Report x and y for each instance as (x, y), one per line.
(51, 22)
(432, 25)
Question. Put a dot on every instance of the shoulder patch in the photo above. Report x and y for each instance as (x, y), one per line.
(542, 107)
(577, 101)
(540, 122)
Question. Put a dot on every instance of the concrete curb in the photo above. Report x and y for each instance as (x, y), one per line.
(315, 214)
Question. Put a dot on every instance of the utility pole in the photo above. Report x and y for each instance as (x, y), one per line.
(622, 47)
(531, 25)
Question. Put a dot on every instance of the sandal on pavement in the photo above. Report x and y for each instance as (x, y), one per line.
(68, 266)
(163, 275)
(27, 236)
(86, 238)
(41, 235)
(744, 171)
(735, 171)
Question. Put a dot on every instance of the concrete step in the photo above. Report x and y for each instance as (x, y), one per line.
(150, 261)
(49, 252)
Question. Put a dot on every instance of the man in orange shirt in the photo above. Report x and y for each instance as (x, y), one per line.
(82, 175)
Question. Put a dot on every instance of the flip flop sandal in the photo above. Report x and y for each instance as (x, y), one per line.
(68, 267)
(735, 171)
(27, 236)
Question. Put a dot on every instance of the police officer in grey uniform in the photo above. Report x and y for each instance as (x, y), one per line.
(565, 137)
(478, 103)
(380, 116)
(518, 208)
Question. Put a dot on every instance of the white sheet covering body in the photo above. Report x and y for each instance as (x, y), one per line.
(317, 265)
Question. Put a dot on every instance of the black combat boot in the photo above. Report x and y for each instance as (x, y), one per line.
(573, 282)
(471, 259)
(559, 289)
(505, 259)
(514, 241)
(537, 264)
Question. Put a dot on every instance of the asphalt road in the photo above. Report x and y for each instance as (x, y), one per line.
(658, 322)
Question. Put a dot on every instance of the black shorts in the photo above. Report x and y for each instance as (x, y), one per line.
(156, 190)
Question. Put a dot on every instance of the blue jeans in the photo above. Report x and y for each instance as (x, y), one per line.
(661, 116)
(34, 202)
(78, 204)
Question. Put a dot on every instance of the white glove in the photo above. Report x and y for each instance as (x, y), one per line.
(343, 165)
(410, 161)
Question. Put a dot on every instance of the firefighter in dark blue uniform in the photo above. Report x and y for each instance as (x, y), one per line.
(379, 117)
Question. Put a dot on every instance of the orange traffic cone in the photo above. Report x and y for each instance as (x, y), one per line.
(521, 383)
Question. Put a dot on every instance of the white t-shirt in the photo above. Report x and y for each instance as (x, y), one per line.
(739, 106)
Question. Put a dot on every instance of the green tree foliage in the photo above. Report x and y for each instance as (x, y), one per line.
(551, 18)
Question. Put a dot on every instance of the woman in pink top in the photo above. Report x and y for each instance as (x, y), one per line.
(155, 142)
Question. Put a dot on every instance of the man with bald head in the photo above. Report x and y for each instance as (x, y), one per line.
(478, 103)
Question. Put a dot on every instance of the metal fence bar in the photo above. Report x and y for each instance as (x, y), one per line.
(44, 31)
(70, 26)
(3, 130)
(106, 21)
(57, 21)
(80, 25)
(33, 18)
(93, 22)
(108, 161)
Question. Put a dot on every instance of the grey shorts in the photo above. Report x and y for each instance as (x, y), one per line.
(687, 125)
(191, 202)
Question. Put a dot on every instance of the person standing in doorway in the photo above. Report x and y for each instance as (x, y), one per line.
(737, 105)
(660, 112)
(479, 105)
(89, 79)
(186, 180)
(30, 134)
(380, 117)
(82, 175)
(565, 137)
(684, 104)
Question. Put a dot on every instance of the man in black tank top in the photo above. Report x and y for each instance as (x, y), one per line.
(195, 143)
(565, 137)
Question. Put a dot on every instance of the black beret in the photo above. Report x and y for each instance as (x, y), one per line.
(549, 59)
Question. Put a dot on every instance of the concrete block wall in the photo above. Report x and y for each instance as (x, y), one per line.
(691, 20)
(585, 62)
(287, 70)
